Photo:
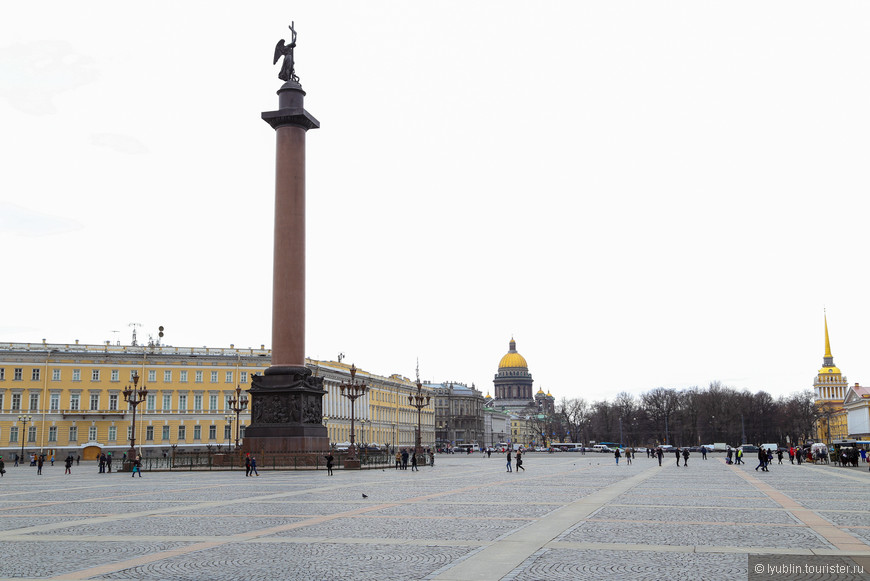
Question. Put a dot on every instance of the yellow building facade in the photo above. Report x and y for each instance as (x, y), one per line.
(68, 398)
(383, 416)
(521, 431)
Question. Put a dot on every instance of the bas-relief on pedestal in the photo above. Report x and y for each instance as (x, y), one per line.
(286, 411)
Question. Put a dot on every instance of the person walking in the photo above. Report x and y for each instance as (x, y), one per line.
(414, 461)
(137, 466)
(404, 459)
(78, 459)
(616, 455)
(247, 465)
(660, 454)
(329, 460)
(432, 458)
(16, 460)
(68, 464)
(398, 460)
(254, 466)
(2, 467)
(40, 460)
(628, 454)
(703, 452)
(509, 469)
(109, 463)
(740, 456)
(779, 455)
(51, 459)
(677, 454)
(685, 457)
(520, 461)
(762, 460)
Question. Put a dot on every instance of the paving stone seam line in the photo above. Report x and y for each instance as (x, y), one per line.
(504, 555)
(581, 546)
(837, 537)
(845, 473)
(195, 540)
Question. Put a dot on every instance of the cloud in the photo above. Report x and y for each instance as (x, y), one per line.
(24, 222)
(32, 74)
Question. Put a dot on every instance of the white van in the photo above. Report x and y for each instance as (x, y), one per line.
(601, 448)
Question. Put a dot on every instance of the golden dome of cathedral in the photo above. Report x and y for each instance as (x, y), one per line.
(512, 358)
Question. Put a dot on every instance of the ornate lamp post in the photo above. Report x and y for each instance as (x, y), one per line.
(229, 419)
(419, 401)
(134, 396)
(24, 420)
(365, 442)
(238, 404)
(352, 391)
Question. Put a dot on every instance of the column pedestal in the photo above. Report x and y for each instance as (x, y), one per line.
(286, 412)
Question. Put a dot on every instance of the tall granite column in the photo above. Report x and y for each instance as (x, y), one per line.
(286, 401)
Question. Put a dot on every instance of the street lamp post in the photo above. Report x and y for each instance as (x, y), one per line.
(238, 404)
(419, 401)
(352, 391)
(229, 434)
(134, 396)
(24, 420)
(363, 423)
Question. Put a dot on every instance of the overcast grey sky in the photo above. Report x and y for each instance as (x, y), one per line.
(642, 194)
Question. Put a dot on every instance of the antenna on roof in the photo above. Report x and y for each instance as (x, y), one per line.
(134, 325)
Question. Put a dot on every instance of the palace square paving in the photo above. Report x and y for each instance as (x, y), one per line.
(567, 516)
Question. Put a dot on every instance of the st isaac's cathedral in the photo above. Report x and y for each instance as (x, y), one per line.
(513, 387)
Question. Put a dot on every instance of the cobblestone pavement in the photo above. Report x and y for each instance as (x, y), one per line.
(568, 516)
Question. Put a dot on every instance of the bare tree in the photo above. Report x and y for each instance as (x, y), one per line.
(661, 404)
(575, 414)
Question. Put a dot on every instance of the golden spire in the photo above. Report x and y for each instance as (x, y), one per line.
(827, 340)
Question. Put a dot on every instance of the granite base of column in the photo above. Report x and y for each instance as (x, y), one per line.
(286, 412)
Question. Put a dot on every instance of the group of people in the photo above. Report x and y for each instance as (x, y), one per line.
(403, 457)
(105, 462)
(519, 460)
(629, 454)
(251, 466)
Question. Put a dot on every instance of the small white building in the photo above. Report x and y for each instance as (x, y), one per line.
(857, 407)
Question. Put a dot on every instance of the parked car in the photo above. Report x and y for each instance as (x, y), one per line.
(601, 448)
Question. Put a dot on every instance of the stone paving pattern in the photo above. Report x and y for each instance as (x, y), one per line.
(617, 522)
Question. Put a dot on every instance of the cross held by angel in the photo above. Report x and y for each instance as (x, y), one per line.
(287, 72)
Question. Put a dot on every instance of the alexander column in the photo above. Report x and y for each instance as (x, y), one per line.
(286, 401)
